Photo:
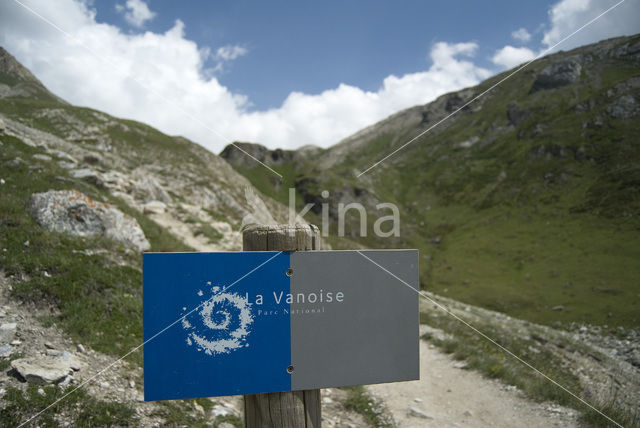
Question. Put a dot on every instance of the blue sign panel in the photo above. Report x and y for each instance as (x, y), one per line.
(217, 347)
(252, 322)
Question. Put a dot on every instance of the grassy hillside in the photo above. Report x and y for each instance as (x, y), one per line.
(527, 201)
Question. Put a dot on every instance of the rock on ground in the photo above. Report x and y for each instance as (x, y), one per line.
(46, 369)
(76, 214)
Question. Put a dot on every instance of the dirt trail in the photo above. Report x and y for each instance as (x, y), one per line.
(453, 397)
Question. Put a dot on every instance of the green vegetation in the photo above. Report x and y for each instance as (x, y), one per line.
(210, 232)
(373, 411)
(78, 407)
(180, 413)
(538, 213)
(95, 283)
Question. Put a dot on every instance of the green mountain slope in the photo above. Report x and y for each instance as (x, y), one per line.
(182, 196)
(527, 201)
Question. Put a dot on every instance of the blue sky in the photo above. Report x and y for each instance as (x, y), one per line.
(313, 46)
(284, 74)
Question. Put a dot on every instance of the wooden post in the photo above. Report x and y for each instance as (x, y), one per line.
(297, 409)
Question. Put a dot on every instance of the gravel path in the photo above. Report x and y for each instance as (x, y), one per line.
(449, 396)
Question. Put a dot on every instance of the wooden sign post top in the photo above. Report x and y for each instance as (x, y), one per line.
(282, 409)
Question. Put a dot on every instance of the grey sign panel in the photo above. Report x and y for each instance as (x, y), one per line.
(353, 323)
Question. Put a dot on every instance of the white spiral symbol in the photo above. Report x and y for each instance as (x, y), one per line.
(223, 324)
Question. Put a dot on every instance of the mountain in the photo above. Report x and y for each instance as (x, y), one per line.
(527, 201)
(17, 81)
(81, 194)
(500, 200)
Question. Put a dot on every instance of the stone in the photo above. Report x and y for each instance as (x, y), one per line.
(74, 213)
(80, 348)
(132, 384)
(225, 425)
(558, 74)
(516, 115)
(48, 345)
(5, 350)
(89, 176)
(92, 158)
(3, 127)
(415, 412)
(7, 332)
(44, 370)
(147, 188)
(220, 410)
(624, 107)
(558, 308)
(42, 157)
(154, 207)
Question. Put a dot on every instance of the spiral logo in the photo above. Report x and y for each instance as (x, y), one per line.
(221, 325)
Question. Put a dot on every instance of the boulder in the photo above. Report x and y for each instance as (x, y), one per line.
(75, 214)
(154, 207)
(46, 369)
(624, 107)
(7, 332)
(147, 188)
(558, 74)
(89, 176)
(5, 350)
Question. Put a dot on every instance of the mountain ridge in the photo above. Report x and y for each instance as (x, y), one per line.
(76, 301)
(543, 167)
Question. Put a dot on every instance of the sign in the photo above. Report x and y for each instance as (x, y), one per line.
(252, 322)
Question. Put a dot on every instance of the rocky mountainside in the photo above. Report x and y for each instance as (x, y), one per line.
(82, 193)
(527, 201)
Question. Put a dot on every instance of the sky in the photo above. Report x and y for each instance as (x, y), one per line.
(284, 74)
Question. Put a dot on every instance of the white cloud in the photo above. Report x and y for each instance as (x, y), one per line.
(136, 12)
(179, 99)
(509, 56)
(521, 34)
(567, 16)
(231, 52)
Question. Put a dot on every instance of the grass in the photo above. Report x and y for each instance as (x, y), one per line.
(79, 408)
(208, 231)
(372, 410)
(525, 221)
(95, 283)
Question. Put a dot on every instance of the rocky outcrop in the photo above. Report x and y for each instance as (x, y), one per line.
(54, 367)
(22, 82)
(517, 115)
(247, 155)
(558, 74)
(624, 107)
(73, 213)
